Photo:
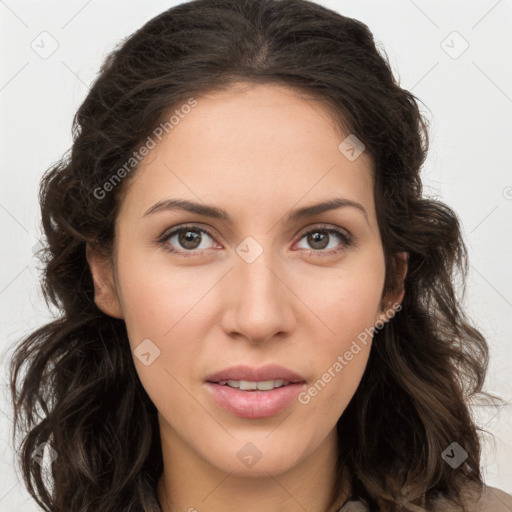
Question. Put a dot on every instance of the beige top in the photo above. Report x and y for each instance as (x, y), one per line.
(491, 500)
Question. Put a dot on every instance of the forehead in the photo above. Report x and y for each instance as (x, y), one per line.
(256, 144)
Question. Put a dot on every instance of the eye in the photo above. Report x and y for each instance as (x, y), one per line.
(320, 236)
(186, 237)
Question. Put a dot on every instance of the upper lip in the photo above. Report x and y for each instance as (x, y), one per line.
(251, 373)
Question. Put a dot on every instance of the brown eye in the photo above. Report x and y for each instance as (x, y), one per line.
(318, 240)
(186, 240)
(189, 239)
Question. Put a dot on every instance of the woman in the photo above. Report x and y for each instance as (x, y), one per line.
(258, 307)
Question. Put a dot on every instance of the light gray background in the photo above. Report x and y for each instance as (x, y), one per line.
(468, 95)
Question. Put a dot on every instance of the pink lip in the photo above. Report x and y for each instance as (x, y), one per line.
(254, 403)
(267, 372)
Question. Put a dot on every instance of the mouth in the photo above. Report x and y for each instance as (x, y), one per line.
(247, 385)
(252, 393)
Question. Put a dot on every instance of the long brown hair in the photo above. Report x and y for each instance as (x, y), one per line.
(73, 381)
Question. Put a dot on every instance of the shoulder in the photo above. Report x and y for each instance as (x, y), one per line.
(494, 500)
(489, 499)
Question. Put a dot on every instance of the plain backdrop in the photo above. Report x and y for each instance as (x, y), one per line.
(453, 55)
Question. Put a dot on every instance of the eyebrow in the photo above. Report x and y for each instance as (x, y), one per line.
(217, 213)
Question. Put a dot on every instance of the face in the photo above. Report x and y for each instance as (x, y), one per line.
(258, 287)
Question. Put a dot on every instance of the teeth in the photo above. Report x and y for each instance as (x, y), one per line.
(247, 385)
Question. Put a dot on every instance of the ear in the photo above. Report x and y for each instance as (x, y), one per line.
(105, 291)
(390, 303)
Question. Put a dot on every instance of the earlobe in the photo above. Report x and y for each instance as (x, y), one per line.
(105, 292)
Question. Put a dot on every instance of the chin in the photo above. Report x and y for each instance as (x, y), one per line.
(256, 459)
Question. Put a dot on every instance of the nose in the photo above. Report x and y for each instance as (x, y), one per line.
(261, 304)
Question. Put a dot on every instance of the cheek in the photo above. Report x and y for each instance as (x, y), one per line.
(158, 313)
(330, 393)
(158, 323)
(158, 300)
(349, 306)
(342, 360)
(350, 302)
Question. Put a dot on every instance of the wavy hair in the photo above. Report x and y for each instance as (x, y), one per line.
(73, 381)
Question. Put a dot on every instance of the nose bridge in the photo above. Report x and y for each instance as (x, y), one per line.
(259, 305)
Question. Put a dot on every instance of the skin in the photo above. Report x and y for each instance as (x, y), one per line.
(257, 151)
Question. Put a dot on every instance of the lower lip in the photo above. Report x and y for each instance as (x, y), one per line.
(254, 404)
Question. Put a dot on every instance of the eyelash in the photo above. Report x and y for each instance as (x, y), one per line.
(347, 240)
